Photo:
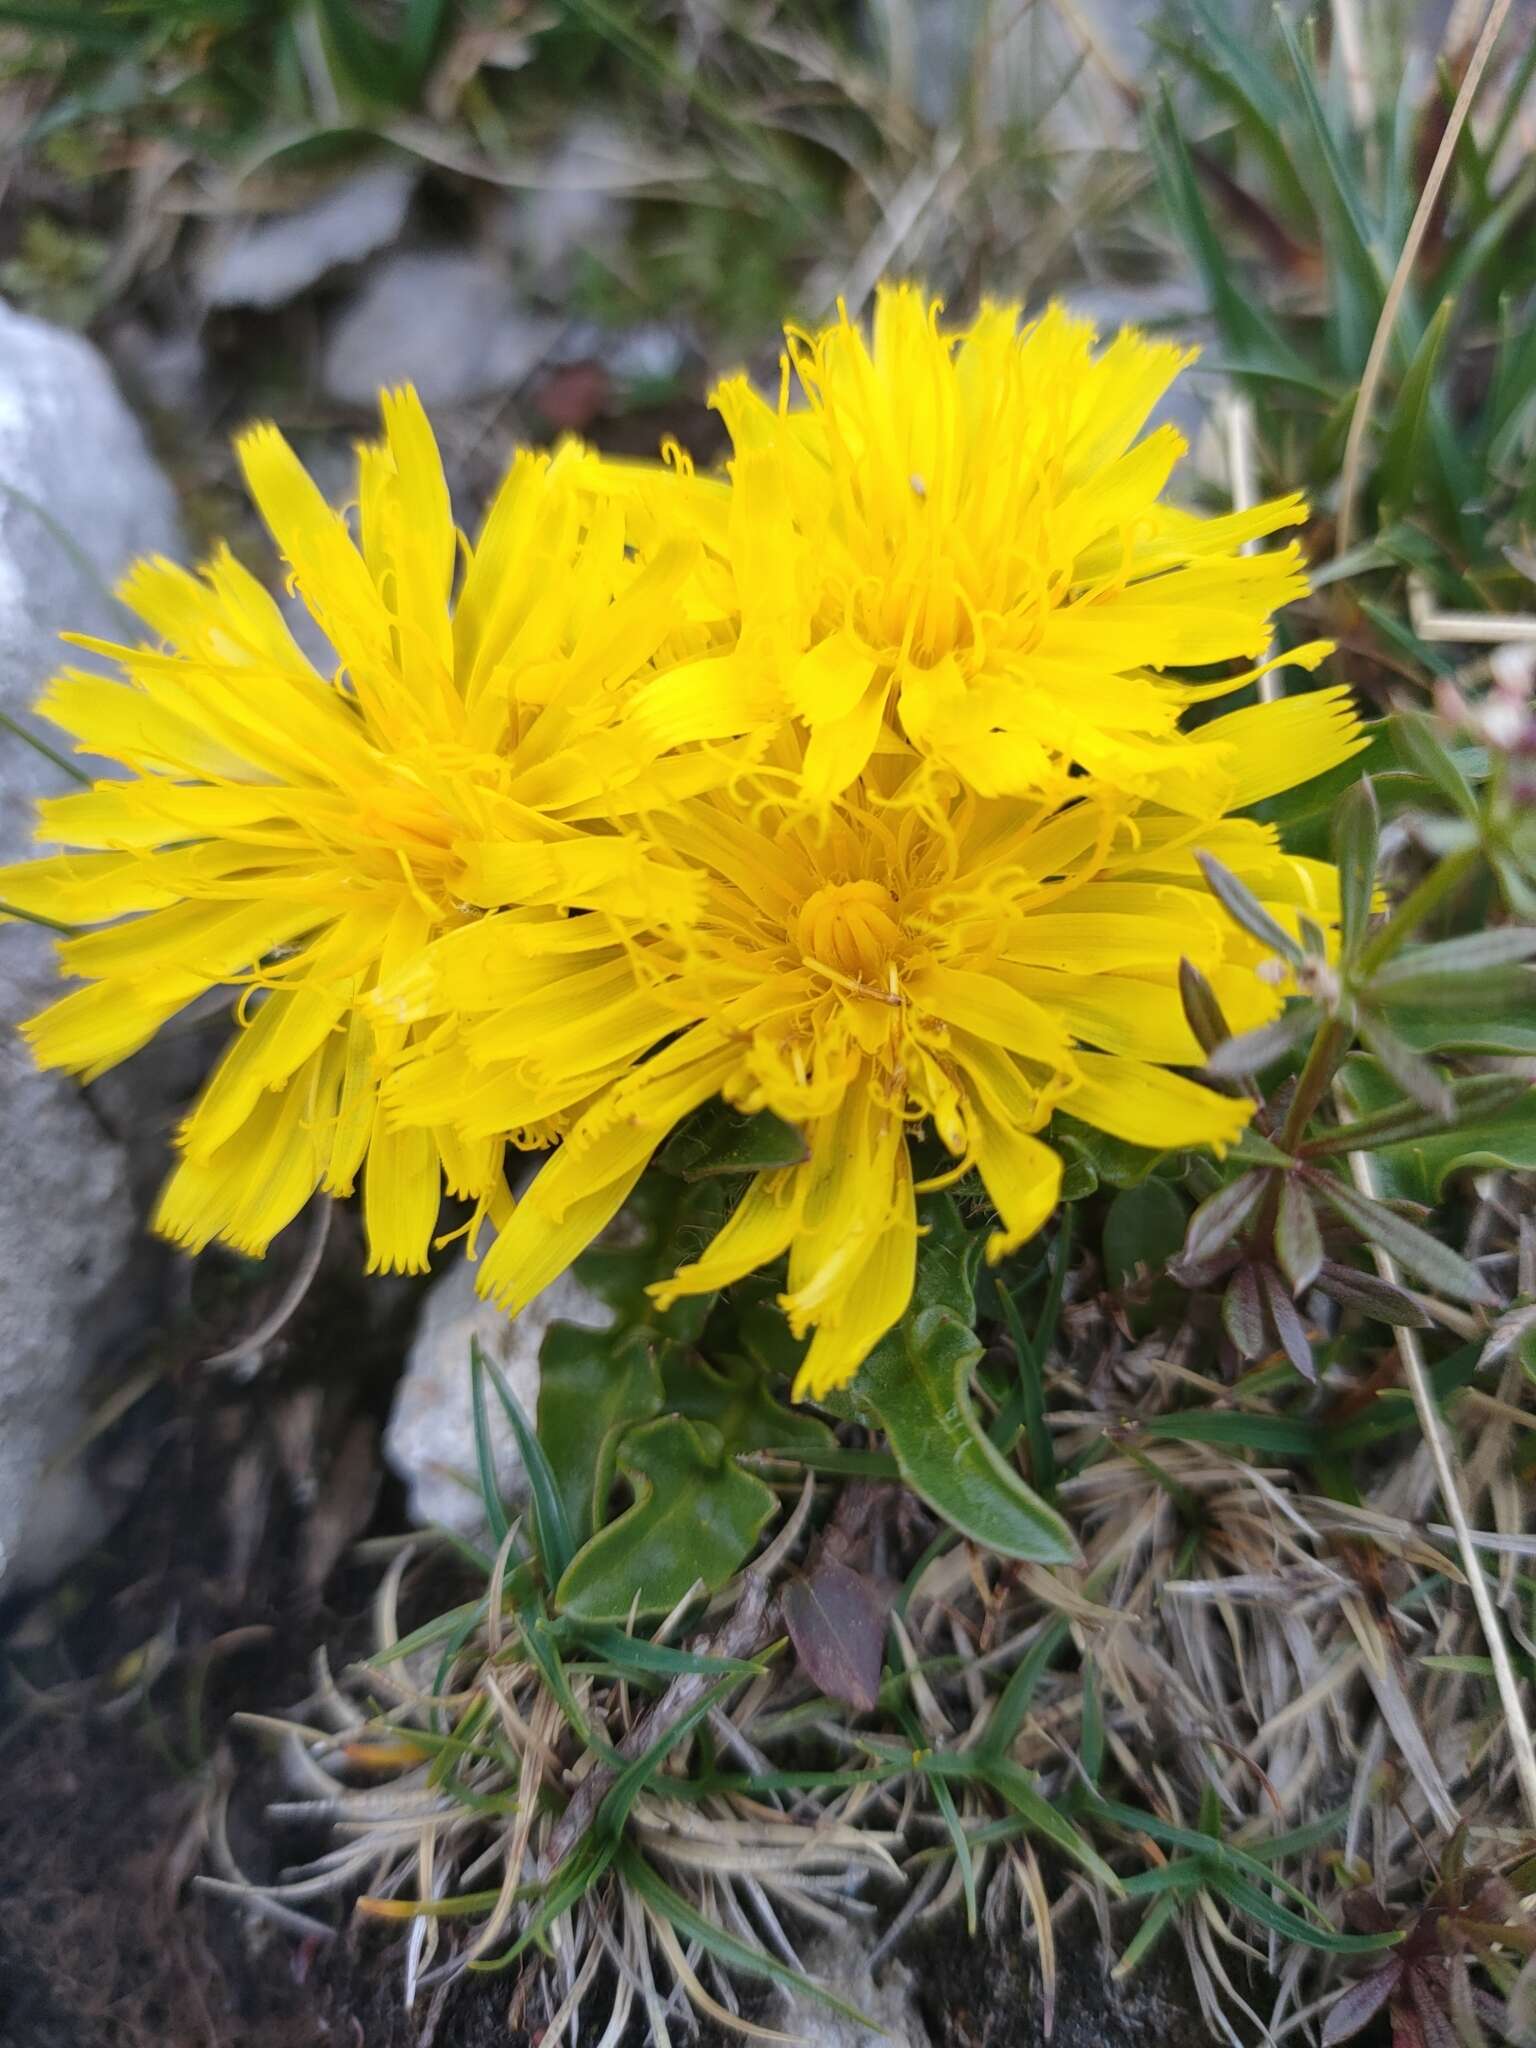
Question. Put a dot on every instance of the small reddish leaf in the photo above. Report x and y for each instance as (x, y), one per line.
(1298, 1241)
(1221, 1216)
(1434, 2027)
(1288, 1324)
(1373, 1296)
(1202, 1010)
(573, 396)
(1358, 2004)
(836, 1621)
(1365, 1914)
(1242, 1314)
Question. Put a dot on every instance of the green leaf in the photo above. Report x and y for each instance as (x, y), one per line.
(604, 1839)
(390, 69)
(760, 1329)
(1397, 633)
(1160, 1917)
(485, 1460)
(1252, 1148)
(1389, 1118)
(1268, 1436)
(1238, 70)
(1016, 1788)
(1144, 1228)
(1304, 816)
(1017, 1696)
(1393, 1413)
(1415, 1075)
(726, 1948)
(719, 1140)
(1090, 1752)
(665, 1221)
(1459, 969)
(1507, 1026)
(1258, 1905)
(695, 1516)
(1401, 468)
(1356, 833)
(91, 27)
(944, 1800)
(1111, 1160)
(593, 1386)
(1236, 311)
(917, 1380)
(733, 1397)
(1225, 1863)
(636, 1656)
(1027, 1402)
(552, 1531)
(612, 1815)
(1421, 750)
(1414, 1164)
(1358, 286)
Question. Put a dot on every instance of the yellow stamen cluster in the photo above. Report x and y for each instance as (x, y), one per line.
(854, 785)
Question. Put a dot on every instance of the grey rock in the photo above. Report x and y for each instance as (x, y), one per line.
(271, 259)
(652, 353)
(430, 1438)
(840, 1964)
(80, 497)
(446, 320)
(577, 206)
(165, 370)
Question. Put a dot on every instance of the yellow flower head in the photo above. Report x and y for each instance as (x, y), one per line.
(307, 835)
(870, 971)
(952, 543)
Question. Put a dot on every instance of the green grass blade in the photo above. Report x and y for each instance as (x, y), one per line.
(485, 1460)
(727, 1948)
(552, 1529)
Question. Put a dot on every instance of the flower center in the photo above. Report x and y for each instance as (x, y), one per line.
(851, 927)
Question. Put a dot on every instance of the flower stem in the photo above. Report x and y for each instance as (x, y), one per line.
(1327, 1049)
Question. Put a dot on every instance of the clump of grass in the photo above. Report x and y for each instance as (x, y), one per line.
(533, 1791)
(1292, 169)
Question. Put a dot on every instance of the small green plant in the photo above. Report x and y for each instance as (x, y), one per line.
(557, 1784)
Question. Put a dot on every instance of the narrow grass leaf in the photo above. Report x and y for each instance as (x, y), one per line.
(727, 1948)
(485, 1457)
(552, 1528)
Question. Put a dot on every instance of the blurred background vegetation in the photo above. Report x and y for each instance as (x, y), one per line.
(570, 216)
